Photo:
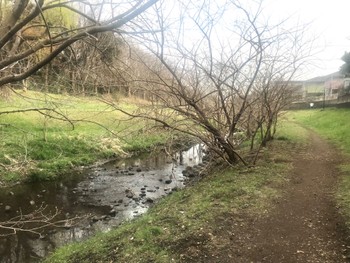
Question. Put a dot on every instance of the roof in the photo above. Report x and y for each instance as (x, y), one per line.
(335, 75)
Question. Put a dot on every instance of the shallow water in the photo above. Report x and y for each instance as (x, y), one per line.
(111, 193)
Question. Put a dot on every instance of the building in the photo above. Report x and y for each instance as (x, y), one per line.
(322, 91)
(323, 88)
(344, 93)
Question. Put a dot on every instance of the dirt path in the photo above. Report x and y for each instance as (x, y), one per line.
(304, 225)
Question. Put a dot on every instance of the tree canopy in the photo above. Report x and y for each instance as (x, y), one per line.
(345, 68)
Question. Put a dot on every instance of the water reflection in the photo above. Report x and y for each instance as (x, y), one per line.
(112, 193)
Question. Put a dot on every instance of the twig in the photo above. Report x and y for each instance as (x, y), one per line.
(41, 111)
(36, 221)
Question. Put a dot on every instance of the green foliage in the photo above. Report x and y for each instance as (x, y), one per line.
(41, 150)
(345, 68)
(143, 143)
(40, 175)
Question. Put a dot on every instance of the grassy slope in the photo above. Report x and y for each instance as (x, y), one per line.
(189, 215)
(37, 147)
(333, 124)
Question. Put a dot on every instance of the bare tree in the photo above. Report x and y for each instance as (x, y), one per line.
(29, 40)
(89, 67)
(224, 72)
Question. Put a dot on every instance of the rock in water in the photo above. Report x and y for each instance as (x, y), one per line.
(113, 212)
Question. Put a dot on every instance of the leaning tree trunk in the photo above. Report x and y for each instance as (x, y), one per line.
(229, 152)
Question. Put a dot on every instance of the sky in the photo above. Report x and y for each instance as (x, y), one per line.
(328, 25)
(329, 22)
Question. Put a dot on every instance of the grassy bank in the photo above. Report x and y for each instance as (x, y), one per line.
(333, 124)
(183, 227)
(66, 132)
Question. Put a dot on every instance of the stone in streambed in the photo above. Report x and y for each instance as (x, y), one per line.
(149, 200)
(113, 212)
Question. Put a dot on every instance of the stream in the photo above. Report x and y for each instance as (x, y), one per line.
(110, 194)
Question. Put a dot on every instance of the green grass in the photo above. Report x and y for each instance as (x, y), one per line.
(291, 131)
(191, 214)
(334, 125)
(37, 147)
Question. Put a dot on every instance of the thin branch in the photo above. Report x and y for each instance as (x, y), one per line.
(42, 111)
(36, 221)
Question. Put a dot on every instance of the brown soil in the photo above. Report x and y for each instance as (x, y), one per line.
(303, 226)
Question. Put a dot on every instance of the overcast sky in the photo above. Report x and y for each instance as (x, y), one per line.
(329, 22)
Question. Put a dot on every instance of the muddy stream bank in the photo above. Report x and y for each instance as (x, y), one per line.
(110, 194)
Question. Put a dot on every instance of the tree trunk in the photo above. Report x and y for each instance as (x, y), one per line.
(228, 149)
(47, 74)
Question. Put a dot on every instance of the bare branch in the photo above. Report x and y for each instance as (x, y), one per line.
(36, 221)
